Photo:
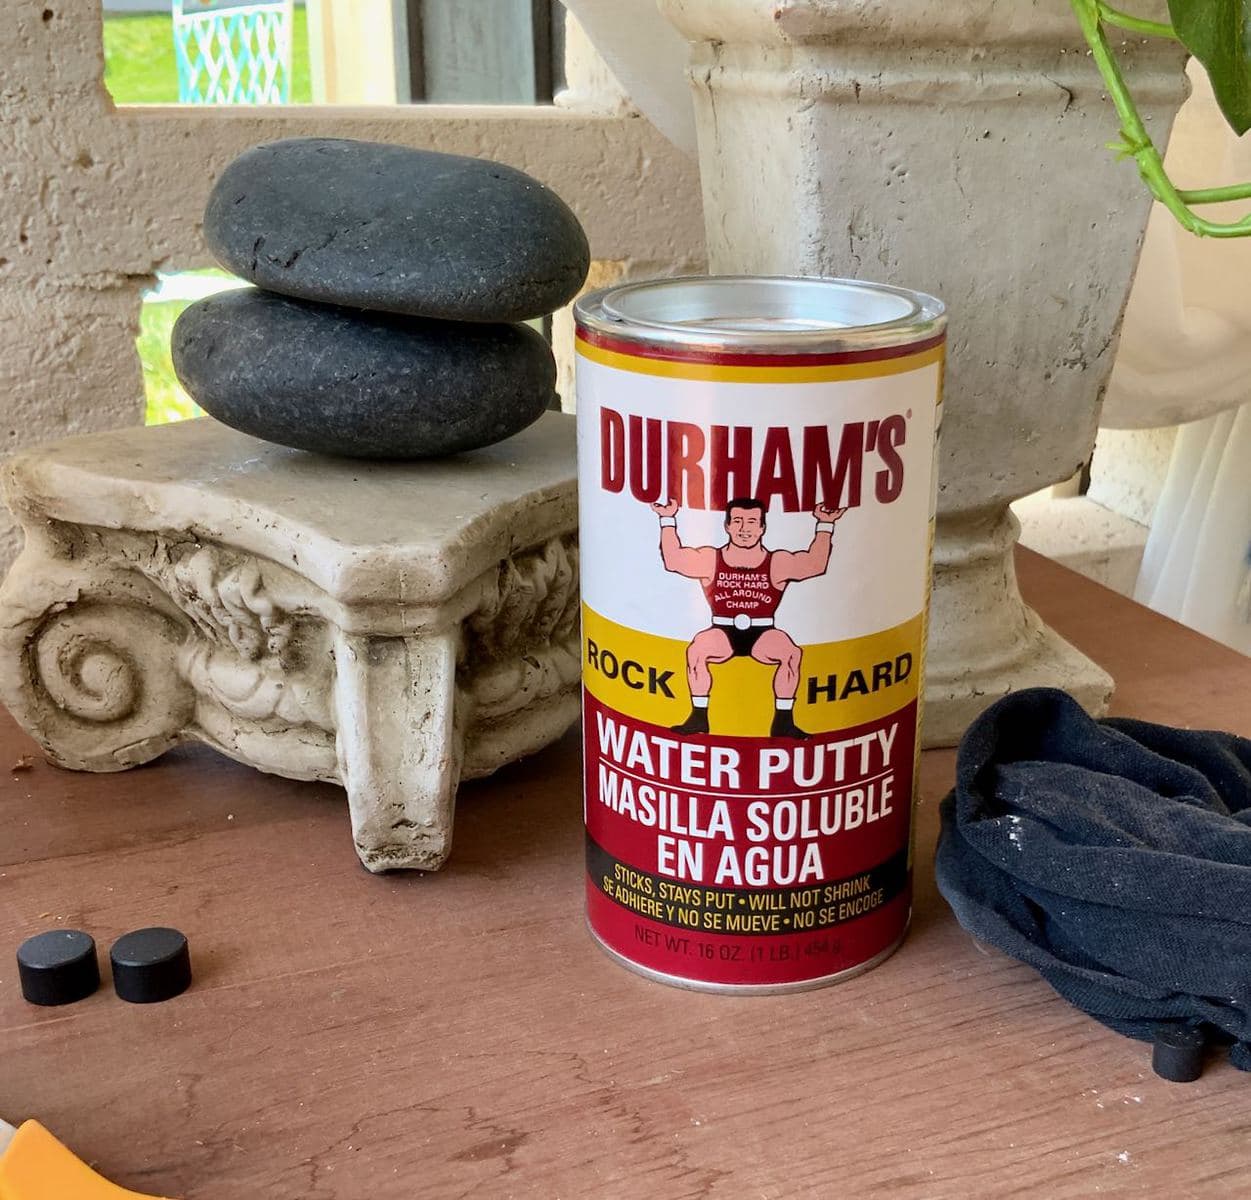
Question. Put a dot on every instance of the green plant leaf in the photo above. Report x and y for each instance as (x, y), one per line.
(1218, 34)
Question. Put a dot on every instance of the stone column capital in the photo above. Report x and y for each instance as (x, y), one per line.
(393, 627)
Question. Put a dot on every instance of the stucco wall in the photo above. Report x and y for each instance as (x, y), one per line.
(98, 198)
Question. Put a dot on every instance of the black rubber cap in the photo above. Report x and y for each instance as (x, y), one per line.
(58, 967)
(150, 965)
(1177, 1054)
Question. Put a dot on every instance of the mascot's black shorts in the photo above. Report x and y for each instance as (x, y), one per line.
(743, 641)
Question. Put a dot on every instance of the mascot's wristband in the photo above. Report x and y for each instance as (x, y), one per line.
(825, 526)
(672, 523)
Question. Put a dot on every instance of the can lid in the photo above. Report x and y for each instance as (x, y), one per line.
(151, 965)
(763, 313)
(58, 967)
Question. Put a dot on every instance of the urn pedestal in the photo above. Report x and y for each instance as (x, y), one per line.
(391, 627)
(959, 149)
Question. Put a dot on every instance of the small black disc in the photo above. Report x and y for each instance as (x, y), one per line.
(1177, 1054)
(58, 967)
(150, 965)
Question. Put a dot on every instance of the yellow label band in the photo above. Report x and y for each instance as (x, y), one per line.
(842, 684)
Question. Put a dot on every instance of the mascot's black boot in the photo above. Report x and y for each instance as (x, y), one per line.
(697, 722)
(784, 725)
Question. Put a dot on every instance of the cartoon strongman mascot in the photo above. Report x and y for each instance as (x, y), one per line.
(744, 583)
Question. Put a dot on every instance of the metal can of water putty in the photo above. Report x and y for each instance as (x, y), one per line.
(756, 470)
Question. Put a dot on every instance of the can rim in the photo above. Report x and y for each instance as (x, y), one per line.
(795, 314)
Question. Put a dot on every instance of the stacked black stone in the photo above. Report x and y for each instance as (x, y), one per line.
(390, 287)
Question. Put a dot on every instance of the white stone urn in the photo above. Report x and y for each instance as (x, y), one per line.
(957, 147)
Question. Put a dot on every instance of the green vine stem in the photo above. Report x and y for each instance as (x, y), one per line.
(1136, 143)
(1112, 16)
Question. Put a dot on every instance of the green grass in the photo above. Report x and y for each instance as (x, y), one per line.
(139, 63)
(166, 399)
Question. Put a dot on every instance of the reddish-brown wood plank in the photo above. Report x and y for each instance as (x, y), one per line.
(459, 1035)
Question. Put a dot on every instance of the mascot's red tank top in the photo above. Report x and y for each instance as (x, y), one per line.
(746, 590)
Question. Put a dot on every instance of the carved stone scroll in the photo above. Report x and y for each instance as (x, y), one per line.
(247, 607)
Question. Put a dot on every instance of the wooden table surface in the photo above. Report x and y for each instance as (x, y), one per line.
(456, 1035)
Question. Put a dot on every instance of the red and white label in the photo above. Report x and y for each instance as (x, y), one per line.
(748, 860)
(755, 569)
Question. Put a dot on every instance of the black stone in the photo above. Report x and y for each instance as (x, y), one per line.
(364, 385)
(150, 965)
(58, 967)
(407, 231)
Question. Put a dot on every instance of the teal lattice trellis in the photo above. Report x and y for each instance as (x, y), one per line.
(233, 53)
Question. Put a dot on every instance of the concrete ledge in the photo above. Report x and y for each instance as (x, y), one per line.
(1081, 534)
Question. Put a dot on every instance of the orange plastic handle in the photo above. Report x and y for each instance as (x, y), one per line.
(37, 1167)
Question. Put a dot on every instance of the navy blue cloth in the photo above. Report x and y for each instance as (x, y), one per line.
(1114, 857)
